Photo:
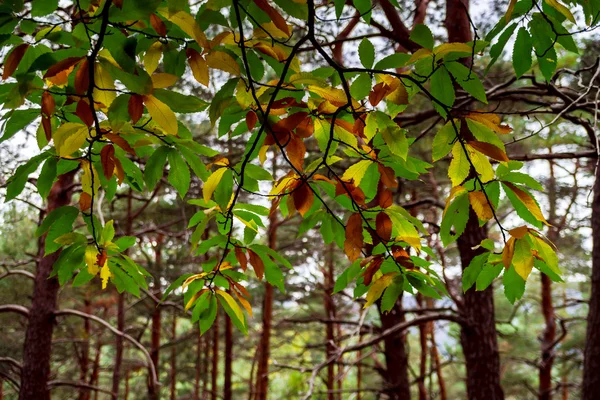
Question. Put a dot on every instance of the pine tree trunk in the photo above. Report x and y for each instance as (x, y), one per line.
(215, 359)
(153, 391)
(591, 363)
(174, 358)
(397, 384)
(37, 347)
(198, 375)
(330, 314)
(423, 331)
(228, 359)
(262, 372)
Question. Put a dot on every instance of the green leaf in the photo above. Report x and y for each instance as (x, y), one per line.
(16, 183)
(179, 173)
(468, 80)
(47, 177)
(346, 277)
(421, 35)
(443, 140)
(391, 294)
(233, 310)
(487, 275)
(364, 8)
(393, 61)
(40, 8)
(496, 49)
(366, 53)
(459, 166)
(395, 139)
(514, 285)
(155, 166)
(457, 215)
(207, 318)
(442, 89)
(361, 87)
(521, 208)
(522, 52)
(17, 120)
(471, 273)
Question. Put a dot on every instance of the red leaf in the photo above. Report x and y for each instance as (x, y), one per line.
(119, 141)
(274, 15)
(305, 128)
(107, 158)
(13, 59)
(303, 198)
(383, 226)
(85, 201)
(257, 264)
(158, 25)
(251, 119)
(241, 257)
(82, 78)
(296, 151)
(47, 125)
(135, 107)
(385, 198)
(48, 104)
(371, 269)
(61, 66)
(290, 123)
(84, 112)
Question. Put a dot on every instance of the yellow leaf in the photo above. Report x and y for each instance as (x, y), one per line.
(561, 9)
(162, 80)
(522, 258)
(105, 274)
(90, 181)
(243, 95)
(419, 54)
(459, 166)
(307, 78)
(337, 97)
(69, 137)
(446, 48)
(283, 184)
(481, 163)
(357, 171)
(199, 67)
(528, 201)
(192, 278)
(188, 24)
(161, 114)
(233, 305)
(91, 254)
(244, 303)
(377, 288)
(547, 253)
(490, 120)
(269, 29)
(212, 182)
(193, 299)
(481, 206)
(223, 61)
(104, 92)
(508, 252)
(152, 57)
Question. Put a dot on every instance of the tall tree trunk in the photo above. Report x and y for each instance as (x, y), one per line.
(478, 336)
(435, 358)
(84, 394)
(262, 371)
(228, 358)
(153, 391)
(359, 372)
(423, 331)
(330, 312)
(397, 384)
(215, 359)
(198, 375)
(174, 358)
(37, 347)
(549, 334)
(591, 363)
(116, 379)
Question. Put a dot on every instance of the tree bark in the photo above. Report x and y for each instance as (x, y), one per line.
(262, 372)
(174, 358)
(215, 359)
(397, 384)
(228, 359)
(154, 392)
(591, 363)
(37, 347)
(423, 331)
(198, 375)
(330, 312)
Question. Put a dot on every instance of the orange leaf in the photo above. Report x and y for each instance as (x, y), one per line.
(508, 252)
(378, 92)
(481, 206)
(84, 112)
(135, 106)
(61, 66)
(257, 264)
(519, 232)
(354, 237)
(303, 198)
(13, 59)
(85, 201)
(290, 123)
(198, 66)
(119, 141)
(305, 128)
(489, 150)
(383, 226)
(528, 201)
(296, 151)
(241, 257)
(371, 269)
(158, 25)
(386, 198)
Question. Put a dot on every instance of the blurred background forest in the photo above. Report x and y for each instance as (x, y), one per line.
(292, 333)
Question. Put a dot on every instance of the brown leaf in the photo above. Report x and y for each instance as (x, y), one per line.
(158, 25)
(257, 264)
(101, 258)
(119, 141)
(354, 237)
(84, 112)
(274, 15)
(118, 3)
(13, 59)
(289, 123)
(303, 198)
(383, 226)
(305, 128)
(85, 201)
(61, 66)
(47, 125)
(386, 198)
(119, 171)
(377, 94)
(135, 106)
(82, 78)
(388, 176)
(489, 150)
(251, 119)
(48, 104)
(241, 257)
(296, 151)
(508, 252)
(107, 158)
(371, 269)
(519, 232)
